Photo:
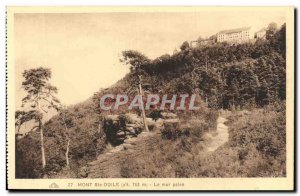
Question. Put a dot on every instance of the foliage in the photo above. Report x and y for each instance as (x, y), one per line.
(185, 45)
(155, 114)
(87, 143)
(271, 30)
(135, 59)
(256, 147)
(39, 89)
(228, 76)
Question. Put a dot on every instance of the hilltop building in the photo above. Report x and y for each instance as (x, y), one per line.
(232, 36)
(239, 35)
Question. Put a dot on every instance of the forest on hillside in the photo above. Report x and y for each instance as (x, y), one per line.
(234, 77)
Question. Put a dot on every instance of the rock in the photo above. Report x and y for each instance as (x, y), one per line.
(159, 123)
(120, 133)
(83, 173)
(127, 146)
(130, 129)
(112, 117)
(131, 134)
(171, 121)
(168, 115)
(133, 118)
(184, 126)
(117, 132)
(150, 123)
(131, 125)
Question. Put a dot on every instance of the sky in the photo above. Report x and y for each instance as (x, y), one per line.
(83, 49)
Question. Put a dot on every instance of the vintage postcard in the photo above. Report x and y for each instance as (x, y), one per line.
(150, 98)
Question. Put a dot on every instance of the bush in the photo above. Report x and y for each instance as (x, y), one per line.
(155, 114)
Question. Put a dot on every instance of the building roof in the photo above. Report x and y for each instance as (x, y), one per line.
(235, 30)
(263, 29)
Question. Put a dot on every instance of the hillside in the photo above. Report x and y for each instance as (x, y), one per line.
(230, 77)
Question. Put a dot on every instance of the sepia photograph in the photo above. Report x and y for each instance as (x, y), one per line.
(150, 98)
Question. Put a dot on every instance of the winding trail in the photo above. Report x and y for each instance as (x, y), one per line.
(217, 138)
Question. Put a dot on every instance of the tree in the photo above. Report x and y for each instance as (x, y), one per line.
(135, 59)
(200, 39)
(22, 117)
(67, 121)
(263, 96)
(19, 117)
(137, 62)
(278, 40)
(40, 98)
(271, 30)
(213, 38)
(184, 46)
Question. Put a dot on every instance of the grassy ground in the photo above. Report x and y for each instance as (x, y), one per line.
(256, 146)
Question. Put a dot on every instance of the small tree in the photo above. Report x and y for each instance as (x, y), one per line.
(40, 98)
(67, 121)
(271, 30)
(184, 46)
(200, 39)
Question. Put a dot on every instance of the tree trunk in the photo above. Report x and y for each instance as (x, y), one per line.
(67, 153)
(42, 139)
(68, 140)
(100, 130)
(18, 129)
(42, 145)
(143, 109)
(206, 63)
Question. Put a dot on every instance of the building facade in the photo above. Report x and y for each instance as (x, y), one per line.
(233, 36)
(239, 35)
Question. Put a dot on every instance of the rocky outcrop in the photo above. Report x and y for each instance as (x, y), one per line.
(118, 128)
(134, 143)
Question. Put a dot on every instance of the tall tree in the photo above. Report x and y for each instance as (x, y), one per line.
(40, 98)
(137, 62)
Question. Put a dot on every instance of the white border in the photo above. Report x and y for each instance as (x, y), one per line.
(3, 3)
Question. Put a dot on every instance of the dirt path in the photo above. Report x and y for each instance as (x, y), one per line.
(108, 165)
(215, 139)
